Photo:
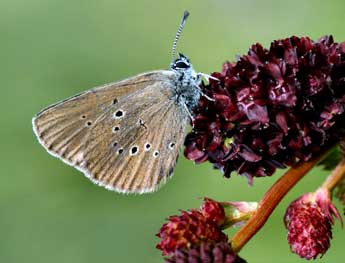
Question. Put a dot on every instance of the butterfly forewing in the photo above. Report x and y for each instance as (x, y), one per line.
(120, 135)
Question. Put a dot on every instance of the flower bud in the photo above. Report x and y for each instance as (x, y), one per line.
(309, 221)
(188, 228)
(237, 213)
(209, 252)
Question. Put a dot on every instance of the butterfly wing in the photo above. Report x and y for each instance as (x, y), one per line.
(135, 145)
(63, 127)
(127, 146)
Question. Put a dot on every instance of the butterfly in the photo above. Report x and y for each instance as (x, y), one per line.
(126, 135)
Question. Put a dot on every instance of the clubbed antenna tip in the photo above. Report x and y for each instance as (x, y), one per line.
(185, 15)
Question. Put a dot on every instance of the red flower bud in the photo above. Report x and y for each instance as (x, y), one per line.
(188, 228)
(206, 252)
(309, 221)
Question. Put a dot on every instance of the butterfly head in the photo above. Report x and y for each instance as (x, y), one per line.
(184, 69)
(186, 82)
(181, 64)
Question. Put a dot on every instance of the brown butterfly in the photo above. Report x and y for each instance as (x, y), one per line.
(125, 135)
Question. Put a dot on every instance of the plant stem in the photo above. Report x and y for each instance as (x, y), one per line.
(271, 199)
(337, 174)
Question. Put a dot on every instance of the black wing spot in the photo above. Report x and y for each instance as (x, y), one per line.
(89, 123)
(120, 151)
(116, 129)
(171, 145)
(147, 146)
(134, 150)
(119, 114)
(115, 101)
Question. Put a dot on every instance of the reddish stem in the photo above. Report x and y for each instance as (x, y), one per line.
(271, 199)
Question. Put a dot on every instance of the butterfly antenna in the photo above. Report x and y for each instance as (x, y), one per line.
(178, 34)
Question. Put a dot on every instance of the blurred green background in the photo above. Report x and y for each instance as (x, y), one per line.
(50, 50)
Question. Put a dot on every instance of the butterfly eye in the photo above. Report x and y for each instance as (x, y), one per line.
(181, 64)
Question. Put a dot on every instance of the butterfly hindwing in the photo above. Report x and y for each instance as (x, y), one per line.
(134, 147)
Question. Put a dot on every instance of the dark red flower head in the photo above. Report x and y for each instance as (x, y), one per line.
(309, 221)
(189, 228)
(206, 252)
(271, 108)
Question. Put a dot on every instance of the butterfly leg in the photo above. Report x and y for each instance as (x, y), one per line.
(189, 113)
(203, 94)
(206, 76)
